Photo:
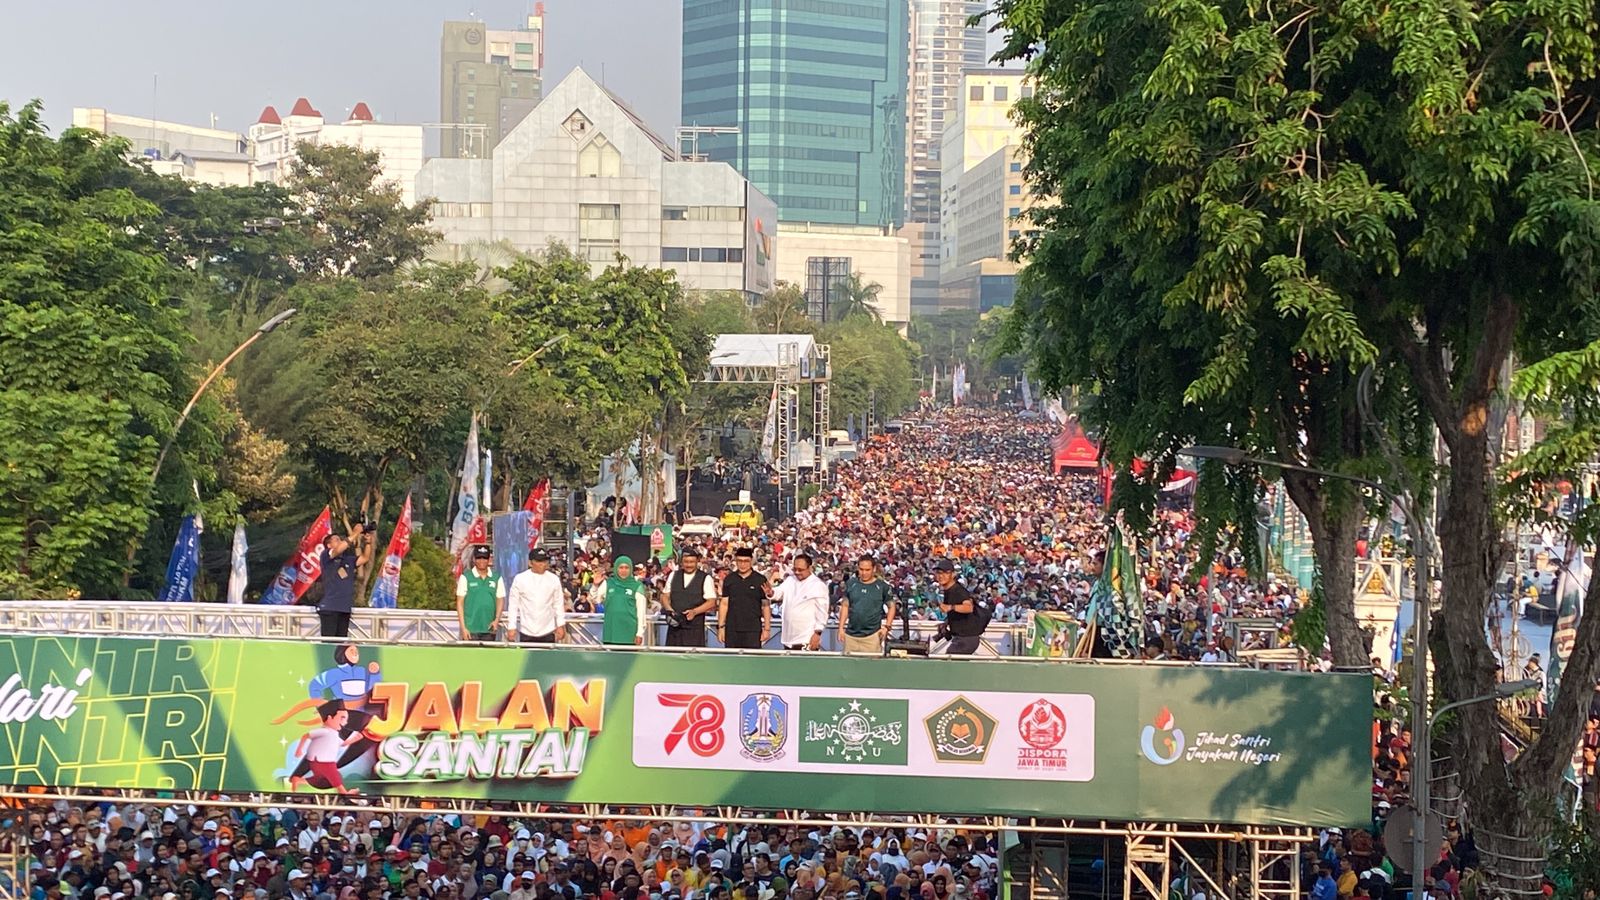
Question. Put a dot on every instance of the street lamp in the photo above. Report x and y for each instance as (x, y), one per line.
(535, 354)
(264, 328)
(1422, 756)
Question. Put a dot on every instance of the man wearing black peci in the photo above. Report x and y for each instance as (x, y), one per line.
(691, 593)
(744, 614)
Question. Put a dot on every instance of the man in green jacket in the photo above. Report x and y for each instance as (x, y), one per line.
(480, 598)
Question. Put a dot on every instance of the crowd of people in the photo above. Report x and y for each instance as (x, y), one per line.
(974, 490)
(123, 851)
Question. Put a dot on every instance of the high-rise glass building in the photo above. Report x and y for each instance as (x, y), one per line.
(817, 92)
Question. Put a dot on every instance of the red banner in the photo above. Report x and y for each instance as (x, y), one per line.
(477, 534)
(538, 503)
(303, 568)
(386, 592)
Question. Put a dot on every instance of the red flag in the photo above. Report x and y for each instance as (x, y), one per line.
(477, 534)
(538, 503)
(386, 592)
(304, 567)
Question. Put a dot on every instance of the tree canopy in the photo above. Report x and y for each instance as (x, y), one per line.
(1276, 195)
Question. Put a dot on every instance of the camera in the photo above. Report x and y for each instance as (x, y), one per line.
(365, 524)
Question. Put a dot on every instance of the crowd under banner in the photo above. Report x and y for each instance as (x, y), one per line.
(1013, 738)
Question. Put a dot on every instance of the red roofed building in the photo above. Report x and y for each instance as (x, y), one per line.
(360, 113)
(269, 116)
(302, 109)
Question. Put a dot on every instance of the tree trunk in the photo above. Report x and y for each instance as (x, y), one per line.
(1334, 520)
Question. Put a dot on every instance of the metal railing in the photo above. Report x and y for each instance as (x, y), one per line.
(395, 626)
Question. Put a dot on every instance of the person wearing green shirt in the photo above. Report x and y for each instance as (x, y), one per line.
(867, 610)
(480, 599)
(624, 597)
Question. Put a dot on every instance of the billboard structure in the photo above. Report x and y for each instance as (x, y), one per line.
(760, 235)
(1023, 739)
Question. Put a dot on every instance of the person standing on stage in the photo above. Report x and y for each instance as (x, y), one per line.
(536, 607)
(623, 597)
(961, 614)
(342, 557)
(867, 611)
(480, 598)
(804, 598)
(744, 614)
(691, 593)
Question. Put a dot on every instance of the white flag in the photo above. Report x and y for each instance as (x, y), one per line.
(239, 574)
(488, 483)
(1027, 395)
(769, 434)
(467, 495)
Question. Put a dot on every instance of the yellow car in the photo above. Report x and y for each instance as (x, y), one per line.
(740, 514)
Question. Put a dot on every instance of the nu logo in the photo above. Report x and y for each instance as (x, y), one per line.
(1171, 743)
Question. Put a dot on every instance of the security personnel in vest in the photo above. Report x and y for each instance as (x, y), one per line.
(480, 598)
(691, 593)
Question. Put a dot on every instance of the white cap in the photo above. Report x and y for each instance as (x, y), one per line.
(257, 855)
(102, 891)
(296, 873)
(209, 826)
(523, 834)
(212, 873)
(147, 836)
(528, 874)
(375, 824)
(283, 842)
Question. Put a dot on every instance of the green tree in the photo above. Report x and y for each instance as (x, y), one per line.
(354, 223)
(782, 310)
(92, 370)
(869, 357)
(1361, 184)
(622, 351)
(391, 376)
(857, 298)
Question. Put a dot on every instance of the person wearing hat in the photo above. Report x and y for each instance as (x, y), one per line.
(342, 558)
(961, 616)
(691, 593)
(623, 598)
(480, 598)
(744, 612)
(804, 599)
(536, 607)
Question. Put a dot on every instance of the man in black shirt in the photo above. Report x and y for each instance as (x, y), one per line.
(744, 614)
(960, 610)
(341, 558)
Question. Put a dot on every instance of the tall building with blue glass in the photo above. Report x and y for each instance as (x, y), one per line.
(817, 92)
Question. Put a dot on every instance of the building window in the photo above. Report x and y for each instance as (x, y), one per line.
(1014, 234)
(675, 213)
(714, 254)
(975, 92)
(1014, 189)
(736, 254)
(674, 254)
(599, 230)
(1001, 93)
(1027, 92)
(1015, 211)
(1016, 167)
(694, 254)
(598, 159)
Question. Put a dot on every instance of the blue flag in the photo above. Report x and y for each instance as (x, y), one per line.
(185, 562)
(511, 531)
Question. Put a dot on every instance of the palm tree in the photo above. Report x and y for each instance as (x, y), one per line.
(856, 297)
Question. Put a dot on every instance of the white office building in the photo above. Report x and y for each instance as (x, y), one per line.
(274, 139)
(583, 169)
(983, 191)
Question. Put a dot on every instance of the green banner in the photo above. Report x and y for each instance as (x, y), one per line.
(1051, 635)
(832, 733)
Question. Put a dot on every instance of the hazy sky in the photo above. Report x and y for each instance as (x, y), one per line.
(188, 62)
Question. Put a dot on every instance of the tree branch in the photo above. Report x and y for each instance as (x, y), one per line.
(1433, 386)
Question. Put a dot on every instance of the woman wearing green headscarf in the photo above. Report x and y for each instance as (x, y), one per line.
(624, 598)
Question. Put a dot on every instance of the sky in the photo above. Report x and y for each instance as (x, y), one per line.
(187, 63)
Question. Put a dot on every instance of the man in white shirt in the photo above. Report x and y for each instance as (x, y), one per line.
(536, 607)
(805, 607)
